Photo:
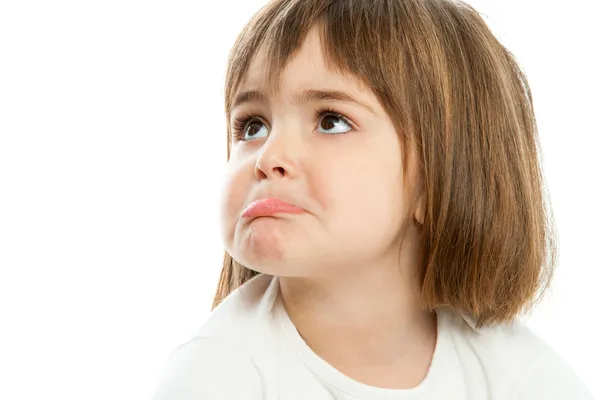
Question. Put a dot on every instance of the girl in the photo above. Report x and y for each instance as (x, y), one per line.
(383, 214)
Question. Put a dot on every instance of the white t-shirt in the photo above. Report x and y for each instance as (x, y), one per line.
(249, 349)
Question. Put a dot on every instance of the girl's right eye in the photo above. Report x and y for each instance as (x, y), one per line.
(247, 127)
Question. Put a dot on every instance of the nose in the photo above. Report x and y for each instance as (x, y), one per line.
(278, 157)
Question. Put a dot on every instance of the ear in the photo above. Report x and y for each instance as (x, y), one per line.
(420, 208)
(418, 189)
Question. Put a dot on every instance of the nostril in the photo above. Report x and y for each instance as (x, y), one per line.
(279, 170)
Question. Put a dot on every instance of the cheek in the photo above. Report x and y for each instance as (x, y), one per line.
(362, 194)
(348, 182)
(234, 192)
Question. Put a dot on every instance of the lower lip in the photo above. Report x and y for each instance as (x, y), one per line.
(263, 208)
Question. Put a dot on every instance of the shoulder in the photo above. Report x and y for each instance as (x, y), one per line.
(550, 378)
(217, 363)
(546, 375)
(247, 306)
(205, 369)
(520, 362)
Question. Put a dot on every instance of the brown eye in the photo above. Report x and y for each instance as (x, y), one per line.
(330, 121)
(253, 130)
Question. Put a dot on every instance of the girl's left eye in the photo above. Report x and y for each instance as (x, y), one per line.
(331, 123)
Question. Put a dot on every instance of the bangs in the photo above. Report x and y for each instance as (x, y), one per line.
(356, 40)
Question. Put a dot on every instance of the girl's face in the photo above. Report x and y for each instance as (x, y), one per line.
(326, 146)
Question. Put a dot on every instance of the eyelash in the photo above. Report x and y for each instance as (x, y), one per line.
(240, 123)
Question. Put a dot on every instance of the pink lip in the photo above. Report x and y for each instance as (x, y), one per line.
(266, 207)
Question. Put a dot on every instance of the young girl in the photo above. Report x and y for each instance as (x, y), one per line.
(383, 214)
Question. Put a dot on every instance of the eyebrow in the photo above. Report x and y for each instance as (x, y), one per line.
(304, 97)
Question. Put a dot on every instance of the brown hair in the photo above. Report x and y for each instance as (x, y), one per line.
(458, 98)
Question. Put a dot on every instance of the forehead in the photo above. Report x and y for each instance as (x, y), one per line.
(307, 69)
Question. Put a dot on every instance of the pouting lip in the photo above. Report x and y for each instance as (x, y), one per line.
(268, 206)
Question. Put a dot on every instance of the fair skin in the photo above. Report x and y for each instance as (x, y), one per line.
(346, 282)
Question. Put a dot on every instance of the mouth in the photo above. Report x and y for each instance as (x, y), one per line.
(269, 207)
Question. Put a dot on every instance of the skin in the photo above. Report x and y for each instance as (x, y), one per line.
(346, 281)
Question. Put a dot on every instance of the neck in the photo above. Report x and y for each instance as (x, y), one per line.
(369, 326)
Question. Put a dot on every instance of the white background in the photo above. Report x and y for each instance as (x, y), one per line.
(112, 148)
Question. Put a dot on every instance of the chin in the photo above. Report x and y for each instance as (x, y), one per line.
(275, 246)
(265, 241)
